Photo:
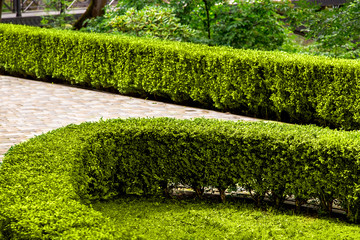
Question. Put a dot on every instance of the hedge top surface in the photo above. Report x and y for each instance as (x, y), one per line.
(167, 45)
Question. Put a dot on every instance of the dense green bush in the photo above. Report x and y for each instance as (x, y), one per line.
(249, 24)
(38, 199)
(150, 21)
(197, 14)
(274, 85)
(47, 183)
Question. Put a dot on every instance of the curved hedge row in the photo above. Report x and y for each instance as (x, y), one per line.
(47, 183)
(274, 85)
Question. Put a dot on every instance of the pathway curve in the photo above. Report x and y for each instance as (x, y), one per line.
(29, 108)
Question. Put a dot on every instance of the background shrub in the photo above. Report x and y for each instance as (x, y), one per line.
(254, 25)
(329, 31)
(151, 21)
(334, 31)
(214, 22)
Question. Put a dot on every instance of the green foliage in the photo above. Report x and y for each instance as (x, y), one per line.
(101, 24)
(151, 21)
(245, 25)
(154, 218)
(140, 4)
(334, 30)
(197, 14)
(272, 85)
(63, 20)
(38, 199)
(191, 15)
(339, 32)
(249, 24)
(47, 183)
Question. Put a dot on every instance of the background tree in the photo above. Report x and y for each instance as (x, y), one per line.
(251, 25)
(339, 31)
(95, 9)
(254, 25)
(333, 31)
(198, 14)
(1, 6)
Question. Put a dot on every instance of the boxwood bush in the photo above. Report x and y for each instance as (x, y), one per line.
(47, 183)
(274, 85)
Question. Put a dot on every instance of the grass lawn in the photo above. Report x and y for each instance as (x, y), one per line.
(154, 218)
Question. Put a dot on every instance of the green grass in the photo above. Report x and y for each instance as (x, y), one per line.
(141, 218)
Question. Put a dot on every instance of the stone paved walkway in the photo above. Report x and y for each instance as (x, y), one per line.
(29, 108)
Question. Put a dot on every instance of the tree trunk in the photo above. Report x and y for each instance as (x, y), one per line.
(1, 6)
(95, 9)
(199, 192)
(207, 9)
(222, 194)
(298, 203)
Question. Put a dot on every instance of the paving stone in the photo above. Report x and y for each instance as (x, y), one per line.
(29, 108)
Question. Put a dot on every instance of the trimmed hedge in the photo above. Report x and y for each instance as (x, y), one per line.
(47, 183)
(274, 85)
